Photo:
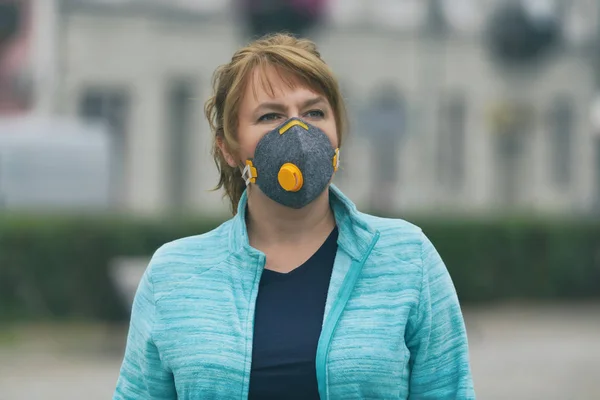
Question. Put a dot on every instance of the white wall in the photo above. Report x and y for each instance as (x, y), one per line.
(141, 53)
(146, 54)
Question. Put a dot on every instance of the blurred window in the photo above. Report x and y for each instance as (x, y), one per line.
(384, 122)
(560, 129)
(180, 110)
(110, 106)
(451, 141)
(513, 125)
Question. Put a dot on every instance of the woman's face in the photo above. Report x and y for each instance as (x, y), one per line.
(262, 110)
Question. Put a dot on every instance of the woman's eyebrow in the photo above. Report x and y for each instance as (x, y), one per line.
(271, 106)
(314, 101)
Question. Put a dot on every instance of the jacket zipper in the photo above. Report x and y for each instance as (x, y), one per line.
(250, 325)
(334, 317)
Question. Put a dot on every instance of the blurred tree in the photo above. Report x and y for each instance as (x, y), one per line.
(520, 35)
(12, 91)
(10, 18)
(270, 16)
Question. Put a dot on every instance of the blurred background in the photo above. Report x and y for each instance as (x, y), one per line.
(478, 120)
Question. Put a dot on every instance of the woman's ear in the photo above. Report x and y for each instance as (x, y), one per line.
(226, 153)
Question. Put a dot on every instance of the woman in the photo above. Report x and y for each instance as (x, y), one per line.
(299, 295)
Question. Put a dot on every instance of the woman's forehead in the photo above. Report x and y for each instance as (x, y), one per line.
(270, 82)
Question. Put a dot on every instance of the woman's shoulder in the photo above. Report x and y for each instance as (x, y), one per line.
(190, 255)
(397, 227)
(398, 238)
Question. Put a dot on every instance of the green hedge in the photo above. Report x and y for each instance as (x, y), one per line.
(526, 259)
(58, 267)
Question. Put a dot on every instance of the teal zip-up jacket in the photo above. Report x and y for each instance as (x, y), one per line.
(392, 328)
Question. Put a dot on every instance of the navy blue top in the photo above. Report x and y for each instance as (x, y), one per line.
(287, 325)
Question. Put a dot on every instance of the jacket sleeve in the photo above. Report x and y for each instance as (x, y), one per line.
(142, 374)
(436, 336)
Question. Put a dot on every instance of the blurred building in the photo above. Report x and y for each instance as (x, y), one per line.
(468, 134)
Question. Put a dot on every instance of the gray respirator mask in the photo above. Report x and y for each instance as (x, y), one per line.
(293, 164)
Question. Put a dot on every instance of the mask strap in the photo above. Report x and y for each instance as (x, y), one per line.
(249, 173)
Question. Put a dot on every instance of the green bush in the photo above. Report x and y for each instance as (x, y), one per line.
(58, 267)
(526, 259)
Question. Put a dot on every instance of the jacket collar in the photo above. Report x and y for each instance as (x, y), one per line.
(355, 234)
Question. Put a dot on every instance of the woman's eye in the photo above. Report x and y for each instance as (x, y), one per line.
(315, 114)
(269, 117)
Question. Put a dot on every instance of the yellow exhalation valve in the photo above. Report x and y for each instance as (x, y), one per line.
(290, 177)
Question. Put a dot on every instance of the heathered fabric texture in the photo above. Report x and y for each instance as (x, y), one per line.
(310, 151)
(392, 329)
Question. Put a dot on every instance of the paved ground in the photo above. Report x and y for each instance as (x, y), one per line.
(524, 353)
(536, 353)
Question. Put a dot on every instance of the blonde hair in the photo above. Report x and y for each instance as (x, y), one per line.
(296, 60)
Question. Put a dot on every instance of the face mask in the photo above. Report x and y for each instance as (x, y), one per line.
(293, 164)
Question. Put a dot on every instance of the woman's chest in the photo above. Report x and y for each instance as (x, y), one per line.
(365, 359)
(207, 340)
(203, 330)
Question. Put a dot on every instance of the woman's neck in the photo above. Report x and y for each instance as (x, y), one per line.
(269, 223)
